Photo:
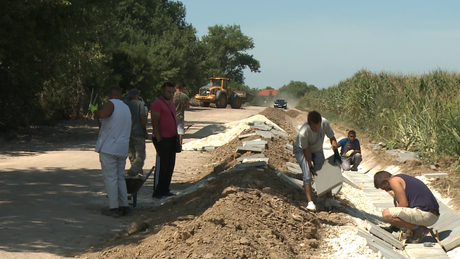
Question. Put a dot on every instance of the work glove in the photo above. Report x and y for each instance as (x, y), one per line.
(350, 152)
(337, 157)
(93, 107)
(312, 171)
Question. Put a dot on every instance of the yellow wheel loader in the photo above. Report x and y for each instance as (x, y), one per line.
(217, 92)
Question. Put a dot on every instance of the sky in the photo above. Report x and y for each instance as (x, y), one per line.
(325, 42)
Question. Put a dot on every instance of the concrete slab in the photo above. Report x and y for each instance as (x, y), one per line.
(329, 176)
(254, 122)
(255, 142)
(240, 159)
(453, 240)
(293, 165)
(384, 235)
(251, 164)
(279, 133)
(378, 245)
(264, 134)
(419, 251)
(291, 181)
(261, 127)
(247, 135)
(294, 170)
(248, 148)
(252, 160)
(350, 182)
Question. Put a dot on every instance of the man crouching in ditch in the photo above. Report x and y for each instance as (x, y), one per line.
(416, 207)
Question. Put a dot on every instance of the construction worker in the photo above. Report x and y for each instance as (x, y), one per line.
(308, 151)
(416, 207)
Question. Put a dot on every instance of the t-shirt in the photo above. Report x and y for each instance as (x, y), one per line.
(180, 101)
(137, 108)
(168, 125)
(307, 138)
(346, 145)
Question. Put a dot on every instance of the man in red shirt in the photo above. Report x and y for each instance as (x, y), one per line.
(163, 118)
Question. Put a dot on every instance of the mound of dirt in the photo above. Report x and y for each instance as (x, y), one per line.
(244, 214)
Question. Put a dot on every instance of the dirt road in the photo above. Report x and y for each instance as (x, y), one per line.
(52, 191)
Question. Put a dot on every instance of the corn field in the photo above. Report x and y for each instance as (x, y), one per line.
(412, 112)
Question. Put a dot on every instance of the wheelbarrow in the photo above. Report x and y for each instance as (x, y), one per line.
(134, 184)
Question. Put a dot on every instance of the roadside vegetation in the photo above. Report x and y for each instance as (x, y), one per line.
(57, 55)
(419, 113)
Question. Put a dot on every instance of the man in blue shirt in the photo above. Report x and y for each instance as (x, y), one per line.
(351, 152)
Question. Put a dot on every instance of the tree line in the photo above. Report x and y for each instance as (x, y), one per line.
(56, 55)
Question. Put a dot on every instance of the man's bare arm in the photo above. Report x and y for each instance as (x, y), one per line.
(397, 185)
(106, 111)
(334, 143)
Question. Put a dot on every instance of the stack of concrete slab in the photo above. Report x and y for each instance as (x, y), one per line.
(256, 146)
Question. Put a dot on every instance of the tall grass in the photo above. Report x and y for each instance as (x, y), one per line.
(419, 113)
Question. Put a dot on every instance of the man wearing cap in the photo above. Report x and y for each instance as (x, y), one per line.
(138, 133)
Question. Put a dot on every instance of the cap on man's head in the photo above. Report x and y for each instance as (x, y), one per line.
(132, 93)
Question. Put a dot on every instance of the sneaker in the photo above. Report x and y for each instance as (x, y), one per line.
(311, 206)
(330, 203)
(125, 211)
(419, 233)
(111, 213)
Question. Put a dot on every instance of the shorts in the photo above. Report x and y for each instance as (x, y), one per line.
(180, 126)
(414, 215)
(318, 162)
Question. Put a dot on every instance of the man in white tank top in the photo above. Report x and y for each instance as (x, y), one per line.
(112, 146)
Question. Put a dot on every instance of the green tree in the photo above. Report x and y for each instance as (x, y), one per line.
(156, 45)
(226, 48)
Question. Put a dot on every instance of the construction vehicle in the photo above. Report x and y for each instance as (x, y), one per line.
(219, 93)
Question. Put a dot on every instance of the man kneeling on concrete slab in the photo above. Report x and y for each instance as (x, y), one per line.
(308, 151)
(416, 207)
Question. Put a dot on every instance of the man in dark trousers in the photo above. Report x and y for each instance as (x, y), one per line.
(163, 118)
(416, 207)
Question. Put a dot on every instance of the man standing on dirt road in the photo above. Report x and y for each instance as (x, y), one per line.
(308, 151)
(112, 146)
(163, 118)
(416, 207)
(181, 101)
(138, 133)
